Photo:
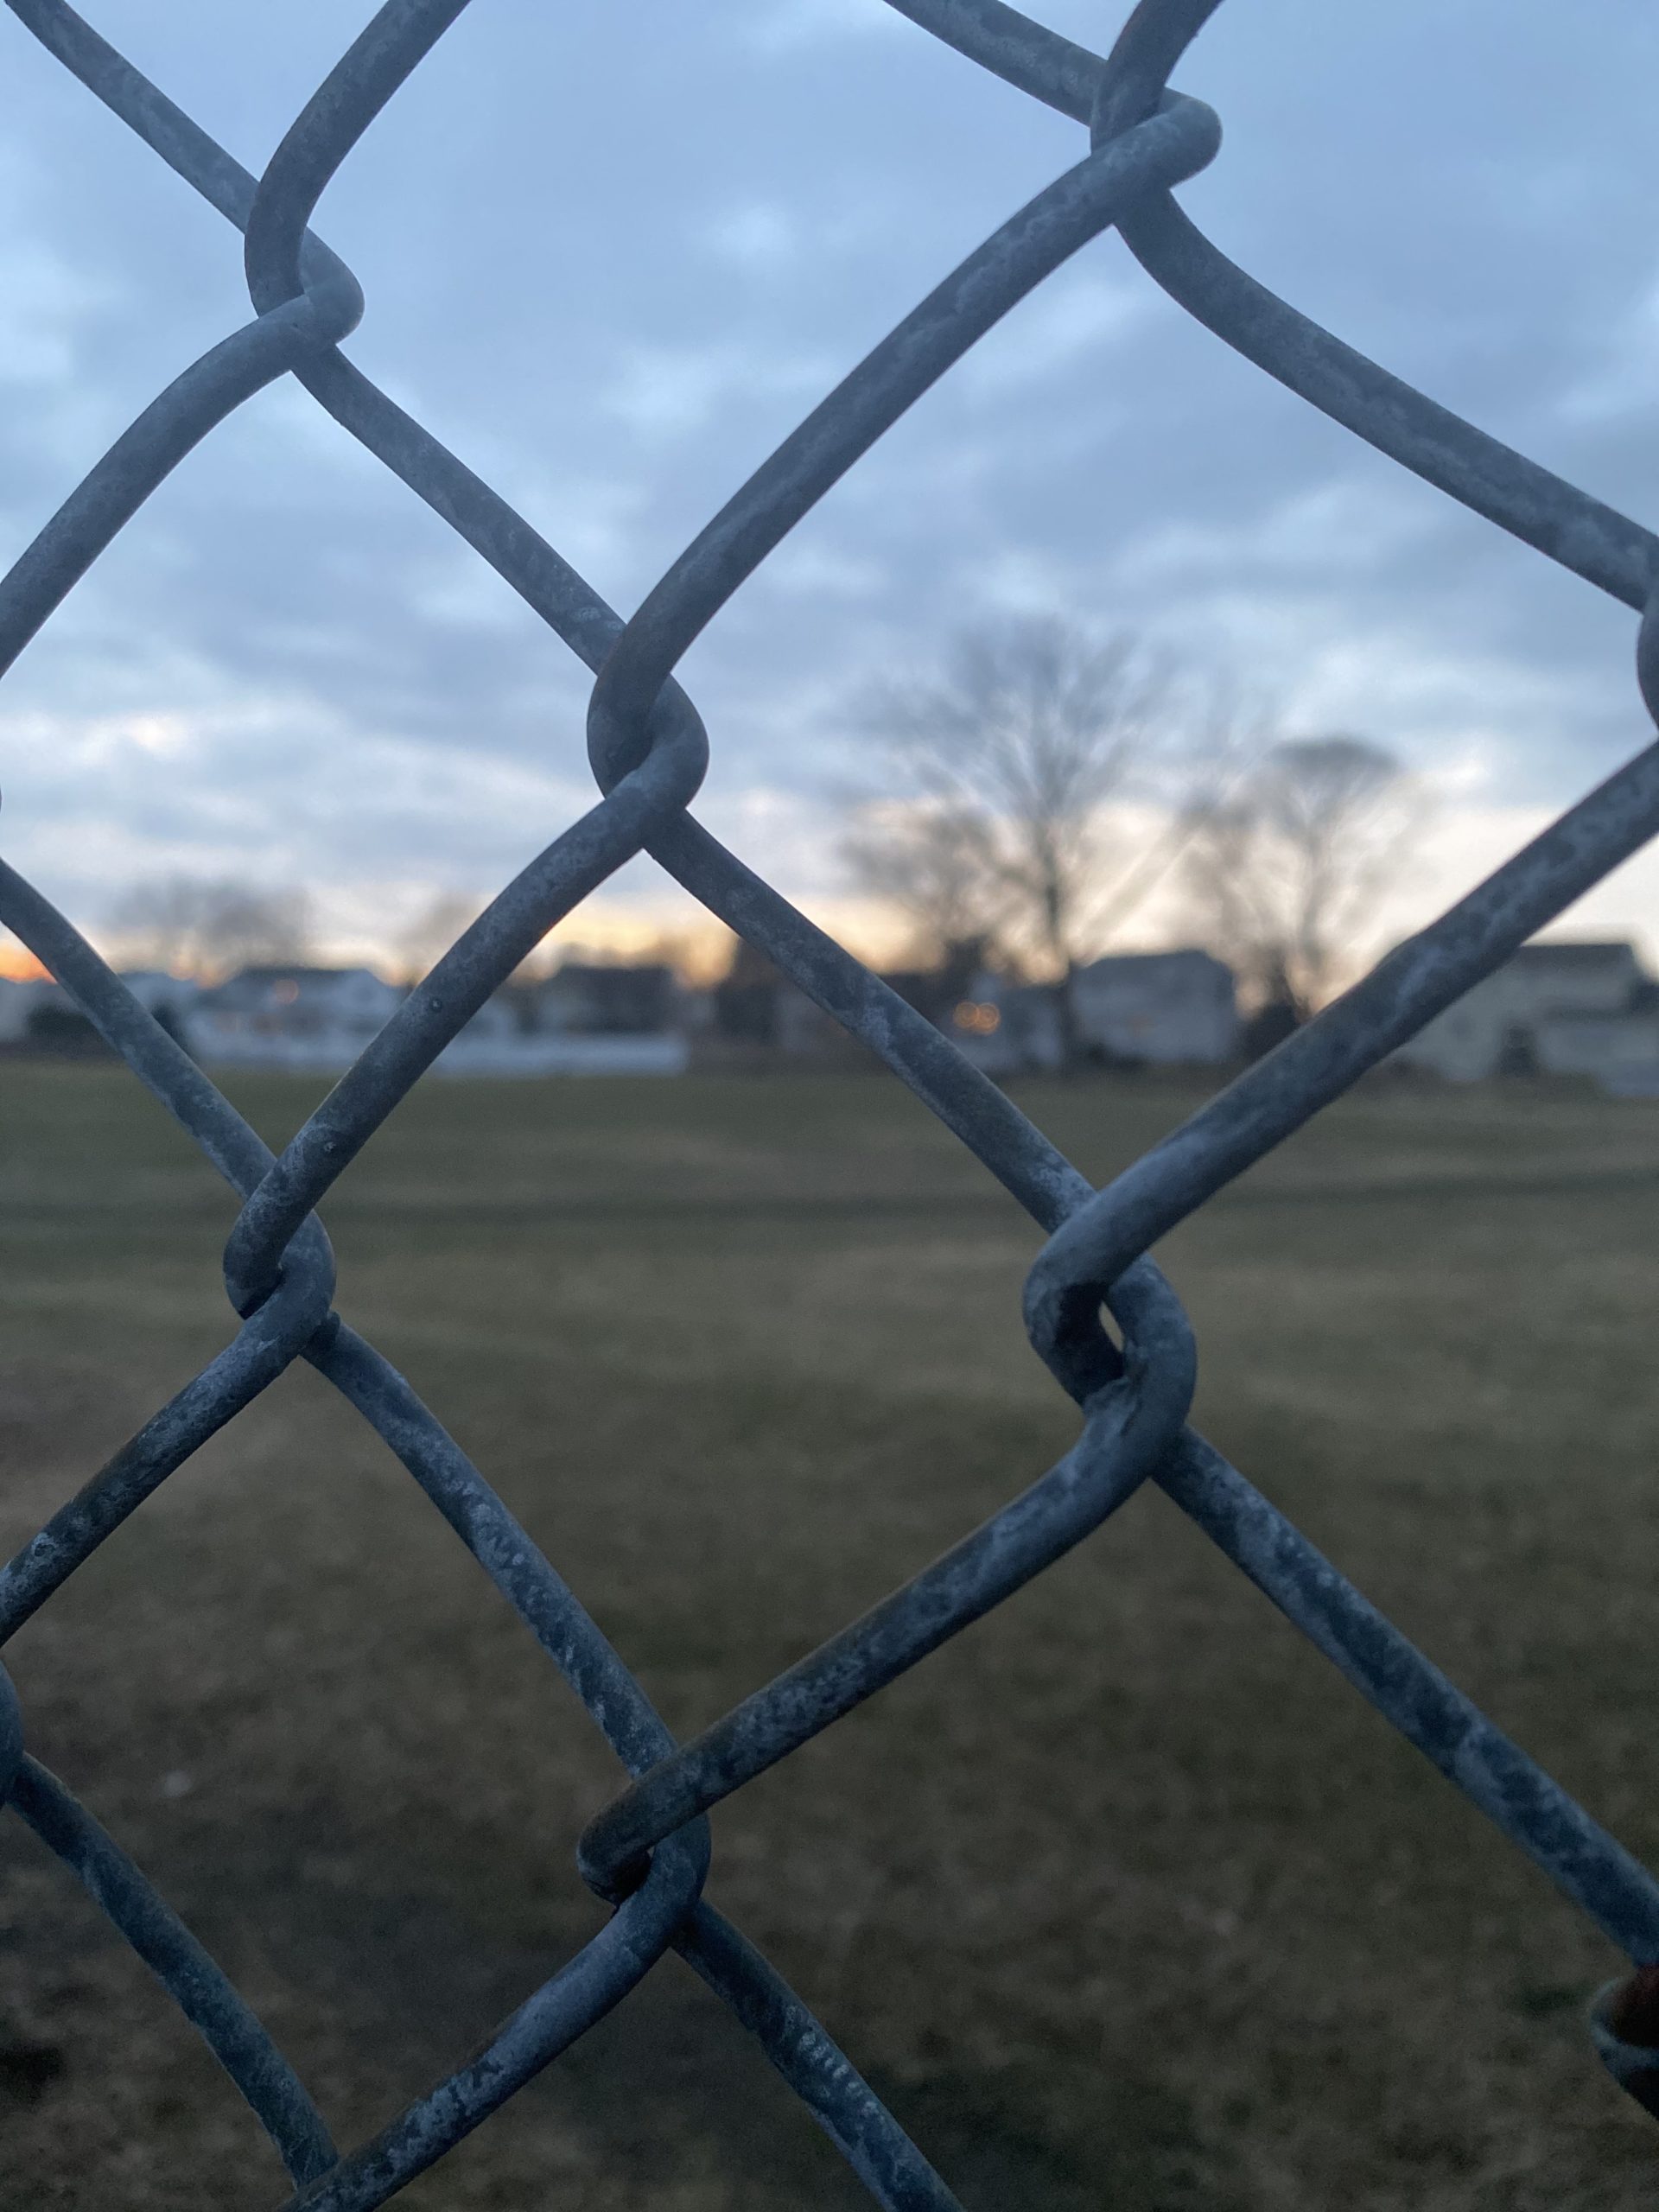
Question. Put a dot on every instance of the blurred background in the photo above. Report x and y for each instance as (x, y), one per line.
(1120, 710)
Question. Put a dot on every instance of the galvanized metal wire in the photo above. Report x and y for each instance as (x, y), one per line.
(647, 1855)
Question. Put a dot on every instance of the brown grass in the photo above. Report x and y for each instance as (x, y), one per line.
(1123, 1899)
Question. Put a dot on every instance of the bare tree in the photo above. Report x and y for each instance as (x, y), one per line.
(992, 823)
(938, 864)
(188, 925)
(1287, 869)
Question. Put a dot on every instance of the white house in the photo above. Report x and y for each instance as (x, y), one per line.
(1158, 1009)
(599, 1017)
(317, 1019)
(167, 997)
(1005, 1027)
(538, 1053)
(17, 1001)
(1619, 1051)
(1163, 1009)
(170, 999)
(531, 1032)
(599, 999)
(1585, 1009)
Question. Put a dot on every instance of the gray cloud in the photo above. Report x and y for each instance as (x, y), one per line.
(612, 263)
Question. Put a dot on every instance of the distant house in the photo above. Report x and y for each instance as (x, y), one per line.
(39, 1015)
(631, 1024)
(170, 999)
(755, 1009)
(596, 1018)
(1004, 1027)
(1160, 1009)
(493, 1037)
(592, 1000)
(17, 1001)
(504, 1018)
(937, 992)
(1619, 1051)
(745, 1000)
(1152, 1009)
(317, 1019)
(1587, 1008)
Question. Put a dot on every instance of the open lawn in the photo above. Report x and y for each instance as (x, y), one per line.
(1124, 1900)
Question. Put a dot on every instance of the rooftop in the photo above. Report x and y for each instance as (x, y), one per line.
(1601, 952)
(296, 971)
(1184, 954)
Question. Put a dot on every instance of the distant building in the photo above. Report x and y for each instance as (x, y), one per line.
(1154, 1009)
(522, 1033)
(1003, 1026)
(1619, 1051)
(317, 1019)
(504, 1018)
(494, 1033)
(583, 1020)
(755, 1010)
(591, 999)
(1158, 1009)
(1585, 1009)
(17, 1001)
(937, 992)
(170, 999)
(39, 1015)
(1006, 1028)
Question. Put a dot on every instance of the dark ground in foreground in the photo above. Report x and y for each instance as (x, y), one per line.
(1124, 1900)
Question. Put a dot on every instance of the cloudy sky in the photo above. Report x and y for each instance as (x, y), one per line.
(612, 254)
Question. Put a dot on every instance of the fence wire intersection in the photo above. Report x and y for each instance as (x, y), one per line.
(647, 1853)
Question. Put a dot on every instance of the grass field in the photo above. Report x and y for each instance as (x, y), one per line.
(1123, 1899)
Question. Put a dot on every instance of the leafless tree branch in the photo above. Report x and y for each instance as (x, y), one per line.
(1287, 868)
(188, 925)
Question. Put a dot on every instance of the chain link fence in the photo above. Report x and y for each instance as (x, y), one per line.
(647, 1855)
